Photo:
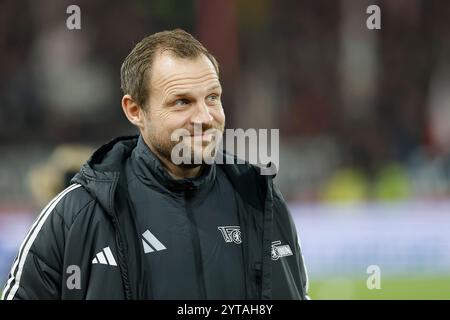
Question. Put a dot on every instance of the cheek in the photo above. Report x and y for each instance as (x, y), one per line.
(219, 115)
(145, 122)
(170, 121)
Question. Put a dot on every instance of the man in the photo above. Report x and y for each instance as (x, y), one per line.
(135, 225)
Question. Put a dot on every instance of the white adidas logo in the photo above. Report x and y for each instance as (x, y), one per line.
(150, 242)
(105, 257)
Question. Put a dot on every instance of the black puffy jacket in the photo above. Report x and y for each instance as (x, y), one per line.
(91, 223)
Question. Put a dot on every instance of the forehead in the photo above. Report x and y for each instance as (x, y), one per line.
(169, 71)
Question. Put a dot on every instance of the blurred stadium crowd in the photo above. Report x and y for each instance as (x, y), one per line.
(364, 115)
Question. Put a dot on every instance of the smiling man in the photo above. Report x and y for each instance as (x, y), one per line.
(135, 224)
(184, 92)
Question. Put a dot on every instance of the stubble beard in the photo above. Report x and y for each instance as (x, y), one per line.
(163, 147)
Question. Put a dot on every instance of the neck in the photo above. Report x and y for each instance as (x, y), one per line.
(179, 172)
(175, 171)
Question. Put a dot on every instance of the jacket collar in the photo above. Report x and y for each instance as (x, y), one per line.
(102, 172)
(146, 163)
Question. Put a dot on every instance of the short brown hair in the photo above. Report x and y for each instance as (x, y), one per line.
(136, 68)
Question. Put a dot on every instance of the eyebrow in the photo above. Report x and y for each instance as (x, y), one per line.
(214, 87)
(180, 94)
(187, 93)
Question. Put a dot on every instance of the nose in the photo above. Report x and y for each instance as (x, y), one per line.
(202, 114)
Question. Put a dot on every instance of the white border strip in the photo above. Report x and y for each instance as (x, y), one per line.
(109, 256)
(28, 242)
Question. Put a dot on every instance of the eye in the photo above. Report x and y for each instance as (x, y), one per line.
(181, 102)
(213, 98)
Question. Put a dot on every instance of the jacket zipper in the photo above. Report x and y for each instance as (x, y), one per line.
(122, 261)
(196, 246)
(120, 248)
(266, 269)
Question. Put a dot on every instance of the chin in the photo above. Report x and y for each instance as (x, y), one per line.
(190, 166)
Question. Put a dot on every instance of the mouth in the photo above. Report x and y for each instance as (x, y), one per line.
(203, 136)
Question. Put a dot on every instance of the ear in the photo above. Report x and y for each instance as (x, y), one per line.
(134, 113)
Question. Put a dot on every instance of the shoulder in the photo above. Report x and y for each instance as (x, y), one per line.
(69, 203)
